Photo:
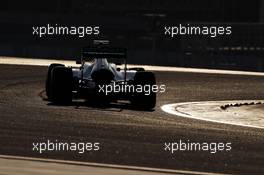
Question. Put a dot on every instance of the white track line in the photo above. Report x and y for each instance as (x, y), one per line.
(46, 62)
(110, 166)
(171, 109)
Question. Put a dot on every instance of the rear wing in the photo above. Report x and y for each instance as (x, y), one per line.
(102, 52)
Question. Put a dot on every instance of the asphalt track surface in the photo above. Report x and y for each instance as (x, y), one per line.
(128, 136)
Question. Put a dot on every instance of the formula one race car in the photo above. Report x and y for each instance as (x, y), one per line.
(101, 80)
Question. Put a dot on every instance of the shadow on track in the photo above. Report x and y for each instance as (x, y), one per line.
(117, 106)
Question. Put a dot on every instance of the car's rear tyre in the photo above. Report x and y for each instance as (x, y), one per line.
(142, 99)
(61, 85)
(48, 79)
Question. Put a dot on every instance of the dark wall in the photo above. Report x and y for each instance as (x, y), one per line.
(219, 10)
(138, 25)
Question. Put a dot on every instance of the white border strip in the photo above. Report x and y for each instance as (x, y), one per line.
(47, 62)
(170, 108)
(112, 166)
